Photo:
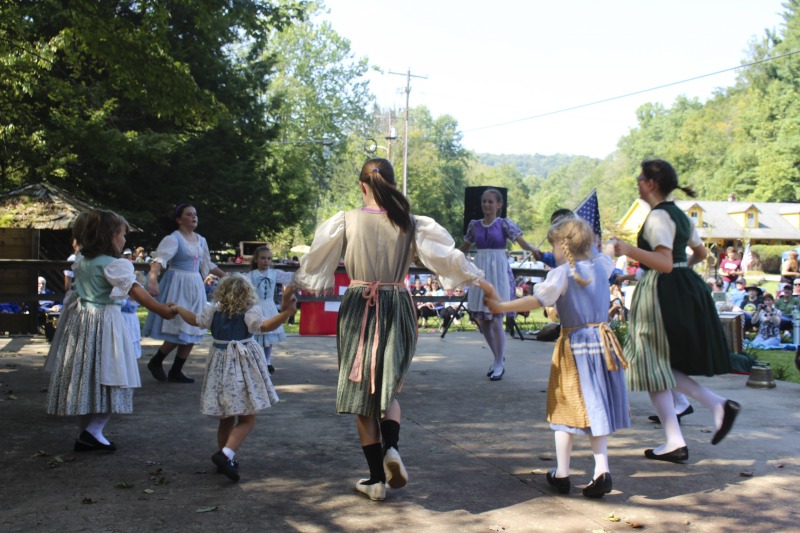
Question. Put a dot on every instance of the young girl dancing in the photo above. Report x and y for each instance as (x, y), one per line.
(586, 394)
(377, 326)
(236, 384)
(94, 365)
(264, 278)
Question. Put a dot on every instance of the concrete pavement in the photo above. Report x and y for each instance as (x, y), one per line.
(476, 453)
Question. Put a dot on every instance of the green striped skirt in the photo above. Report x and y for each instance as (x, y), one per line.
(646, 347)
(395, 317)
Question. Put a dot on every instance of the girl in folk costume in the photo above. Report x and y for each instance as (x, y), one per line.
(94, 365)
(491, 235)
(236, 384)
(674, 331)
(377, 330)
(264, 279)
(189, 261)
(586, 394)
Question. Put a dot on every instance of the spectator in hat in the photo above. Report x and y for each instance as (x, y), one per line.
(127, 254)
(768, 318)
(750, 305)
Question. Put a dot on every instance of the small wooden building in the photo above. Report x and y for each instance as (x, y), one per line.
(35, 223)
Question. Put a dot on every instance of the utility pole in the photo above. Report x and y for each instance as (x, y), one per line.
(408, 76)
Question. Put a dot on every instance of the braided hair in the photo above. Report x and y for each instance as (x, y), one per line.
(379, 175)
(575, 237)
(665, 176)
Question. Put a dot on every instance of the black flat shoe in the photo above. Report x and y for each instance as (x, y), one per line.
(490, 372)
(157, 370)
(270, 369)
(599, 487)
(689, 410)
(497, 377)
(560, 483)
(88, 443)
(179, 377)
(678, 455)
(228, 467)
(731, 412)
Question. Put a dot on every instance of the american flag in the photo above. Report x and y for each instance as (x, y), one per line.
(747, 258)
(589, 211)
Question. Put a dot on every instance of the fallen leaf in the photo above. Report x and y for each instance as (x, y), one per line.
(40, 453)
(148, 491)
(162, 481)
(12, 397)
(779, 465)
(612, 518)
(123, 485)
(745, 474)
(686, 522)
(496, 527)
(207, 509)
(705, 430)
(87, 501)
(635, 525)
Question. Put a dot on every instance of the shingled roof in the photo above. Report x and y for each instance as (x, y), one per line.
(719, 224)
(40, 206)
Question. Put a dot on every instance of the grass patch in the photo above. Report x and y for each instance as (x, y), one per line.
(781, 362)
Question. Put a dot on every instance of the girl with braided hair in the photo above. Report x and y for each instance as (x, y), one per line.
(674, 330)
(586, 394)
(377, 325)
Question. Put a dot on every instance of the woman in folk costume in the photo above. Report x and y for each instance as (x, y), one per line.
(674, 331)
(377, 327)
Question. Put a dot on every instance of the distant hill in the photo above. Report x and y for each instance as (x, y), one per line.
(526, 164)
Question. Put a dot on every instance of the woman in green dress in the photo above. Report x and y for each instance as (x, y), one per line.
(674, 330)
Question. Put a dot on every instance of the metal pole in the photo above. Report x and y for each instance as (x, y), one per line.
(408, 76)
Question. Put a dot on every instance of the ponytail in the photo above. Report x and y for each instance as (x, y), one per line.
(379, 175)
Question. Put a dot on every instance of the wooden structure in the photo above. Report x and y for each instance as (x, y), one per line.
(35, 223)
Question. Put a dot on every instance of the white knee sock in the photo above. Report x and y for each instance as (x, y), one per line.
(563, 452)
(712, 401)
(665, 409)
(680, 400)
(600, 452)
(96, 425)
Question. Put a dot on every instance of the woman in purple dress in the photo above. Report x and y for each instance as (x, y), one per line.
(491, 235)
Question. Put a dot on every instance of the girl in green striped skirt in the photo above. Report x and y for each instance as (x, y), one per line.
(377, 326)
(674, 330)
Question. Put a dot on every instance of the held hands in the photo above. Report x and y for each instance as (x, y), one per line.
(289, 300)
(168, 311)
(490, 297)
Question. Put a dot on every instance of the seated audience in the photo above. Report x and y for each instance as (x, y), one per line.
(768, 318)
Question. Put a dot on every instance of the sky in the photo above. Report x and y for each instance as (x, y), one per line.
(491, 63)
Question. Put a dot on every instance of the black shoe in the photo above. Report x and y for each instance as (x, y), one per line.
(88, 443)
(689, 410)
(497, 377)
(490, 372)
(675, 456)
(731, 412)
(228, 467)
(599, 487)
(560, 483)
(271, 369)
(157, 370)
(179, 377)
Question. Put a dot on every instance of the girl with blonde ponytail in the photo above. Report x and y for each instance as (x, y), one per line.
(377, 326)
(586, 394)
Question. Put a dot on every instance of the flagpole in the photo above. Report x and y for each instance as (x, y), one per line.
(594, 191)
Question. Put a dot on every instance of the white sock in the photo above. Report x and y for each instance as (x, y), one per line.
(563, 452)
(230, 454)
(713, 402)
(600, 452)
(96, 425)
(680, 400)
(665, 409)
(268, 354)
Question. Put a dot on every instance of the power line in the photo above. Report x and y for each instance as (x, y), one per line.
(573, 108)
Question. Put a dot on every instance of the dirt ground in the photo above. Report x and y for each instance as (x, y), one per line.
(476, 452)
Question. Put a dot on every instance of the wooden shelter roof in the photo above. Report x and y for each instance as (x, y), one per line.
(40, 206)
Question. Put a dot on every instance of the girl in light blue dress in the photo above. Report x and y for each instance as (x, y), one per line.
(586, 394)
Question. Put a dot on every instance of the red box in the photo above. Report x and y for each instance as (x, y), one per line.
(314, 320)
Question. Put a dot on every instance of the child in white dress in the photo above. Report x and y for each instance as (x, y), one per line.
(586, 394)
(264, 279)
(236, 384)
